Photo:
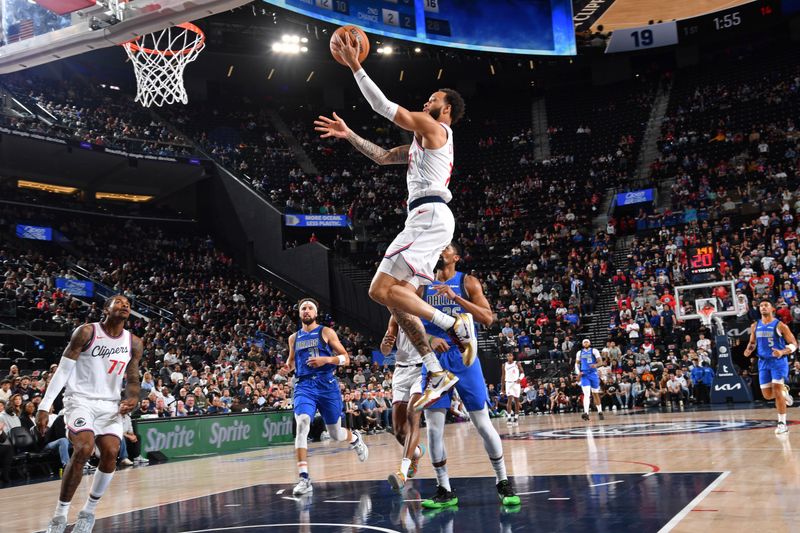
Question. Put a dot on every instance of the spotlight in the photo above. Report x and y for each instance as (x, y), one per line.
(417, 50)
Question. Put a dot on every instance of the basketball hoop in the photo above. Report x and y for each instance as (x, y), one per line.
(707, 314)
(158, 62)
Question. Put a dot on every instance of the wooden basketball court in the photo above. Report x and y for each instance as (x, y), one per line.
(632, 13)
(714, 470)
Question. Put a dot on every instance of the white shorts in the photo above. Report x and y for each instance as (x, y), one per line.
(413, 254)
(98, 416)
(406, 382)
(512, 389)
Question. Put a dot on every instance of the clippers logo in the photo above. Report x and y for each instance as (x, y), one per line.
(644, 430)
(80, 422)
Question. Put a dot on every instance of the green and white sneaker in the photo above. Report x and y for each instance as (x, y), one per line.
(506, 493)
(443, 498)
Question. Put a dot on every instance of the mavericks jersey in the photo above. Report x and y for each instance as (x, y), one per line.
(445, 304)
(512, 372)
(588, 357)
(311, 344)
(767, 338)
(429, 170)
(100, 367)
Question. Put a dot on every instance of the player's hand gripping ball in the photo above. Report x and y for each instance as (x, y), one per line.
(349, 36)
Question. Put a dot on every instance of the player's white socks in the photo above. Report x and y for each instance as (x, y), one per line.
(431, 362)
(100, 484)
(442, 479)
(782, 418)
(442, 320)
(404, 466)
(587, 399)
(499, 466)
(302, 468)
(599, 407)
(62, 509)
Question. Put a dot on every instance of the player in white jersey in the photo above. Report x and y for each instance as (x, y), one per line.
(411, 258)
(512, 375)
(406, 387)
(92, 368)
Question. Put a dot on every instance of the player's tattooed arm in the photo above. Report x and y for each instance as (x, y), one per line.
(132, 380)
(395, 156)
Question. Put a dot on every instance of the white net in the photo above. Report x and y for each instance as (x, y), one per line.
(158, 61)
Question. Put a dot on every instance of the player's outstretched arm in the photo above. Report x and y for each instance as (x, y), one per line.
(341, 358)
(290, 359)
(418, 122)
(336, 127)
(80, 338)
(751, 345)
(389, 337)
(788, 336)
(132, 380)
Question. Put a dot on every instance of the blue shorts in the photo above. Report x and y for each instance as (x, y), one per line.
(590, 380)
(471, 386)
(773, 369)
(321, 393)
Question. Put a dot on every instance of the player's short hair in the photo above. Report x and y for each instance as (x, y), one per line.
(111, 299)
(456, 102)
(457, 247)
(762, 300)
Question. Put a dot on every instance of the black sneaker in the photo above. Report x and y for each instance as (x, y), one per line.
(585, 416)
(506, 493)
(443, 498)
(600, 415)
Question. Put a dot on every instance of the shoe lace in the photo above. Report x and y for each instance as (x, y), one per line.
(441, 493)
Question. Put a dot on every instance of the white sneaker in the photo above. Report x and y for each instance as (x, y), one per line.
(787, 395)
(57, 524)
(360, 447)
(85, 523)
(303, 487)
(463, 334)
(125, 463)
(509, 421)
(781, 429)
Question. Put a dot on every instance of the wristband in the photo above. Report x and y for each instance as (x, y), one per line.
(342, 359)
(791, 347)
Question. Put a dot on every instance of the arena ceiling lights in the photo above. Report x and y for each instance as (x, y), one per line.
(290, 45)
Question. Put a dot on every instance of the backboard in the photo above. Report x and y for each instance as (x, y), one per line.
(721, 295)
(31, 34)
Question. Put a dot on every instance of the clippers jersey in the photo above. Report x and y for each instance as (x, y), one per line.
(429, 170)
(406, 353)
(311, 344)
(767, 338)
(100, 367)
(512, 371)
(588, 357)
(445, 304)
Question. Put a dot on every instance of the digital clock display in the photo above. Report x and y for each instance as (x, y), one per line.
(702, 259)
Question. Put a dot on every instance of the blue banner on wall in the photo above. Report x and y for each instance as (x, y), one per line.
(36, 233)
(76, 287)
(634, 197)
(317, 221)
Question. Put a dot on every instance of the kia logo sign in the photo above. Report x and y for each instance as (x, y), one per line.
(728, 387)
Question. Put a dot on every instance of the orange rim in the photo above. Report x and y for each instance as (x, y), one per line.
(187, 26)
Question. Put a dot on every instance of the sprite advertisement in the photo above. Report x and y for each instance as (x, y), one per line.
(186, 437)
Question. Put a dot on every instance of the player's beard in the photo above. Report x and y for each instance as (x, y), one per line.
(439, 264)
(434, 112)
(308, 320)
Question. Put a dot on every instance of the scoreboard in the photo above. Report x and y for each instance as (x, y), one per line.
(540, 27)
(702, 259)
(728, 22)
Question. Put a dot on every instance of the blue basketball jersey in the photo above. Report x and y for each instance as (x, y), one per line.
(767, 338)
(588, 358)
(445, 304)
(311, 344)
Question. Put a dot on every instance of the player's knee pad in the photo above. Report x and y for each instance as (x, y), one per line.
(303, 427)
(337, 432)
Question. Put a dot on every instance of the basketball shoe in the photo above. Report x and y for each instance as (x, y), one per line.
(85, 523)
(443, 498)
(302, 487)
(787, 395)
(781, 428)
(397, 481)
(506, 493)
(58, 524)
(438, 384)
(412, 470)
(359, 447)
(463, 335)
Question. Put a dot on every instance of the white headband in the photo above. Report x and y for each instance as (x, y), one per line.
(310, 302)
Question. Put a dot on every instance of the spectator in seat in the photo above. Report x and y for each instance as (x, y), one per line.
(130, 447)
(5, 390)
(369, 408)
(54, 438)
(10, 417)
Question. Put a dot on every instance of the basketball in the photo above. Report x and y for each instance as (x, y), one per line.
(361, 37)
